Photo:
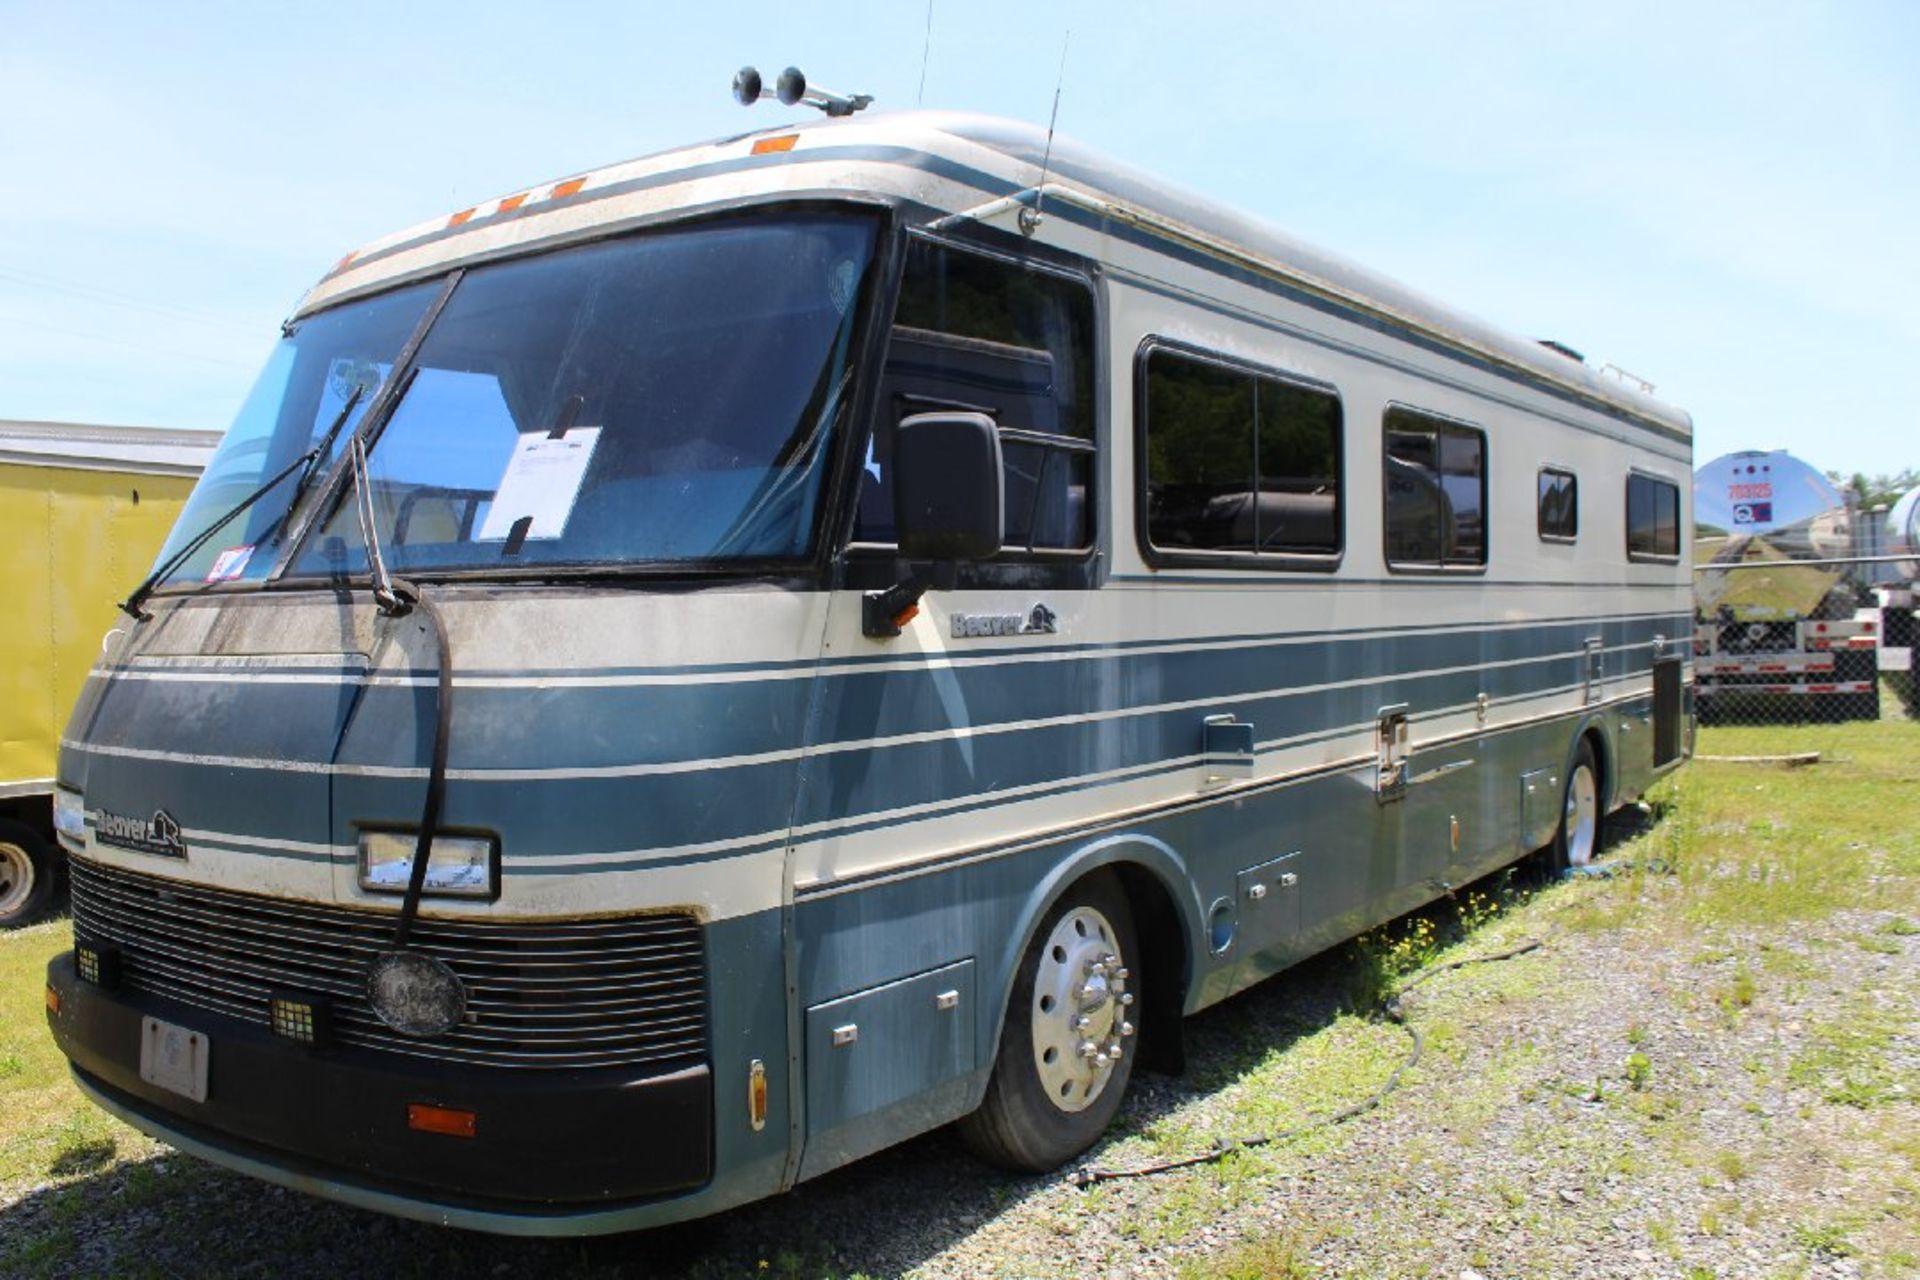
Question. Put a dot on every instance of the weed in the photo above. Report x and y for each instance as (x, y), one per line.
(1639, 1070)
(1732, 1165)
(1737, 995)
(1830, 1240)
(1637, 1033)
(1269, 1258)
(1899, 927)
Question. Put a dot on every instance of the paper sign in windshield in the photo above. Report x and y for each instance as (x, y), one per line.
(230, 563)
(542, 481)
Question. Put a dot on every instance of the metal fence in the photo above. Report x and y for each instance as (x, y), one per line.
(1803, 641)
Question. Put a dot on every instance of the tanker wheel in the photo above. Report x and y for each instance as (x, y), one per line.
(29, 874)
(1066, 1051)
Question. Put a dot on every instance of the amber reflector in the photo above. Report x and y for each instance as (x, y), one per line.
(767, 146)
(455, 1124)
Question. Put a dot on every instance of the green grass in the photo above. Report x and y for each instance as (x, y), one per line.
(47, 1130)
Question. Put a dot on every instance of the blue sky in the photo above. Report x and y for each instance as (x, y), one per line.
(1722, 198)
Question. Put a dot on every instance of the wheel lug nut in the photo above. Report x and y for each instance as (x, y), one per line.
(1122, 974)
(1081, 1022)
(1126, 1028)
(1126, 997)
(1088, 1048)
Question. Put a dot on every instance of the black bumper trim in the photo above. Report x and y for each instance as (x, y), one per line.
(555, 1142)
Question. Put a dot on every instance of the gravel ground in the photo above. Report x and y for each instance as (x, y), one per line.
(1639, 1098)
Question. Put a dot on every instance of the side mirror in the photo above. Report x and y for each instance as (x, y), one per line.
(949, 495)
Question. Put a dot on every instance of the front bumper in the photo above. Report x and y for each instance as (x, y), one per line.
(547, 1145)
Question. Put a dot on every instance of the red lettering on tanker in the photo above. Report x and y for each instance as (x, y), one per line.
(1749, 492)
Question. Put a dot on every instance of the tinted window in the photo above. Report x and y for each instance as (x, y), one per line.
(1559, 504)
(665, 397)
(1237, 461)
(977, 334)
(1436, 492)
(1653, 517)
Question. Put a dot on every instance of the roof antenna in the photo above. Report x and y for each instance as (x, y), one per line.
(792, 88)
(1030, 218)
(926, 49)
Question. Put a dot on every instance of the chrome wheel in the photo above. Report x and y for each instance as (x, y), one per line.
(1080, 1008)
(1582, 816)
(16, 878)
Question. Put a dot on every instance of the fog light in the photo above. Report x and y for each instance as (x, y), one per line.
(97, 964)
(415, 994)
(302, 1019)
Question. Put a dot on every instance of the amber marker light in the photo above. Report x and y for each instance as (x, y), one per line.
(769, 146)
(757, 1095)
(53, 998)
(446, 1120)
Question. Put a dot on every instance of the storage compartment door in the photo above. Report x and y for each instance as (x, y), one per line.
(877, 1061)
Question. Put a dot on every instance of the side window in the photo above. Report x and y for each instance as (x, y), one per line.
(1559, 505)
(1237, 462)
(1436, 492)
(1653, 518)
(978, 334)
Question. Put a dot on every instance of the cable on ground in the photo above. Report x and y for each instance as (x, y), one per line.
(1391, 1009)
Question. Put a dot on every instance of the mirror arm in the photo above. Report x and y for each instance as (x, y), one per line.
(883, 613)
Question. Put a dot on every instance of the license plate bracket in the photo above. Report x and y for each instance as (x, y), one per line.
(175, 1058)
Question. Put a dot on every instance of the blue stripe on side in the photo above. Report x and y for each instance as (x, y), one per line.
(501, 727)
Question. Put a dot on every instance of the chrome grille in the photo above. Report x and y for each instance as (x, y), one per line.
(589, 993)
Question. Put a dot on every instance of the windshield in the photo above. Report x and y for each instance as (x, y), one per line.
(662, 398)
(315, 373)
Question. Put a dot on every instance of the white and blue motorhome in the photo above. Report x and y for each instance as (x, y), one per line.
(682, 677)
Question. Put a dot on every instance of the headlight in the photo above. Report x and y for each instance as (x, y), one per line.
(457, 866)
(70, 814)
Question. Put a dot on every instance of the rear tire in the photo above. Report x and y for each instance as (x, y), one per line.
(1049, 1100)
(1577, 839)
(29, 874)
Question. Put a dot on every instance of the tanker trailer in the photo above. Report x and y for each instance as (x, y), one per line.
(1899, 622)
(1774, 603)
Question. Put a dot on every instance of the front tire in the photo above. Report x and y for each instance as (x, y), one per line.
(1066, 1051)
(29, 874)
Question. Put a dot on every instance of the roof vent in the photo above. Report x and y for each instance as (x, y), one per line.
(1563, 349)
(791, 88)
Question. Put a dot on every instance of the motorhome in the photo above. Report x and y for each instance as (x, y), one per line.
(686, 675)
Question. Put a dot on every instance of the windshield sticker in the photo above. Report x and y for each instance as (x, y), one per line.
(540, 484)
(230, 563)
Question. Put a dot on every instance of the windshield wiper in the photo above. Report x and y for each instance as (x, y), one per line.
(391, 604)
(310, 460)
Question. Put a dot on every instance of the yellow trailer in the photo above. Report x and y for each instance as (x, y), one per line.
(83, 511)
